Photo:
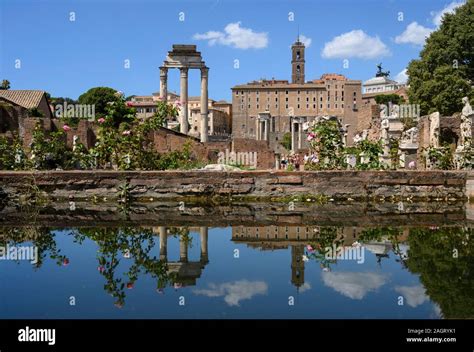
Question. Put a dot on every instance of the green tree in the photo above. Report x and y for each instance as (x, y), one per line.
(5, 84)
(286, 141)
(444, 73)
(100, 97)
(389, 98)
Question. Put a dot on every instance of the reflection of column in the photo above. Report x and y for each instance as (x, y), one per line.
(184, 100)
(183, 250)
(204, 234)
(300, 134)
(204, 102)
(163, 83)
(163, 243)
(293, 135)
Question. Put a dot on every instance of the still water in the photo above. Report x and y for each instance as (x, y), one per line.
(237, 272)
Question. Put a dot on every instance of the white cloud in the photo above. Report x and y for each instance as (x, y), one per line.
(234, 292)
(414, 295)
(413, 34)
(353, 284)
(305, 40)
(235, 36)
(438, 15)
(402, 76)
(305, 287)
(355, 44)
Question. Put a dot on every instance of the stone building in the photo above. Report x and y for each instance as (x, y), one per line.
(219, 113)
(267, 109)
(26, 101)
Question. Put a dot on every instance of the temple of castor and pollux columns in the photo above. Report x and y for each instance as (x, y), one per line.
(185, 57)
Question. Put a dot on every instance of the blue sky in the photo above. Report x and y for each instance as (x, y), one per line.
(67, 57)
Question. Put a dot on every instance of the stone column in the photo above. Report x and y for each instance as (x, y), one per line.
(163, 83)
(183, 250)
(184, 100)
(257, 129)
(163, 243)
(204, 102)
(267, 130)
(203, 231)
(300, 134)
(293, 135)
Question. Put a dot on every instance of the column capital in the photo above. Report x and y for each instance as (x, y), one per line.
(184, 71)
(204, 71)
(163, 70)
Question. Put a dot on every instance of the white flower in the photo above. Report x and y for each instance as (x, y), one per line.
(305, 258)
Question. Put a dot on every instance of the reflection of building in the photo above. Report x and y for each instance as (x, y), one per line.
(279, 237)
(187, 272)
(267, 109)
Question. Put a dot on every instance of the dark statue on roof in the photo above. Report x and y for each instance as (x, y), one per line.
(380, 73)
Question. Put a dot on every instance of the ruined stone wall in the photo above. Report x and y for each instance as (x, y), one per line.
(386, 186)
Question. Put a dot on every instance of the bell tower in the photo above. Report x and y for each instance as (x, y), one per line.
(297, 62)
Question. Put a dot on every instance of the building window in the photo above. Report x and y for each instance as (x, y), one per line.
(298, 69)
(298, 55)
(298, 106)
(307, 106)
(335, 106)
(314, 106)
(258, 106)
(276, 106)
(242, 92)
(286, 106)
(342, 106)
(249, 106)
(298, 92)
(286, 99)
(286, 92)
(257, 99)
(314, 98)
(329, 106)
(321, 98)
(298, 98)
(329, 86)
(355, 94)
(307, 99)
(320, 106)
(276, 99)
(276, 92)
(237, 93)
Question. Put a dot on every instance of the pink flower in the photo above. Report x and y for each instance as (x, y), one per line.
(126, 133)
(101, 120)
(130, 285)
(65, 262)
(177, 285)
(177, 103)
(101, 269)
(412, 164)
(311, 136)
(66, 128)
(309, 248)
(129, 104)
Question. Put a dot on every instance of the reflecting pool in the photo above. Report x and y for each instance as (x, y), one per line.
(237, 271)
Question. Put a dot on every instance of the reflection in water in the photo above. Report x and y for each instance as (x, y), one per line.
(429, 267)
